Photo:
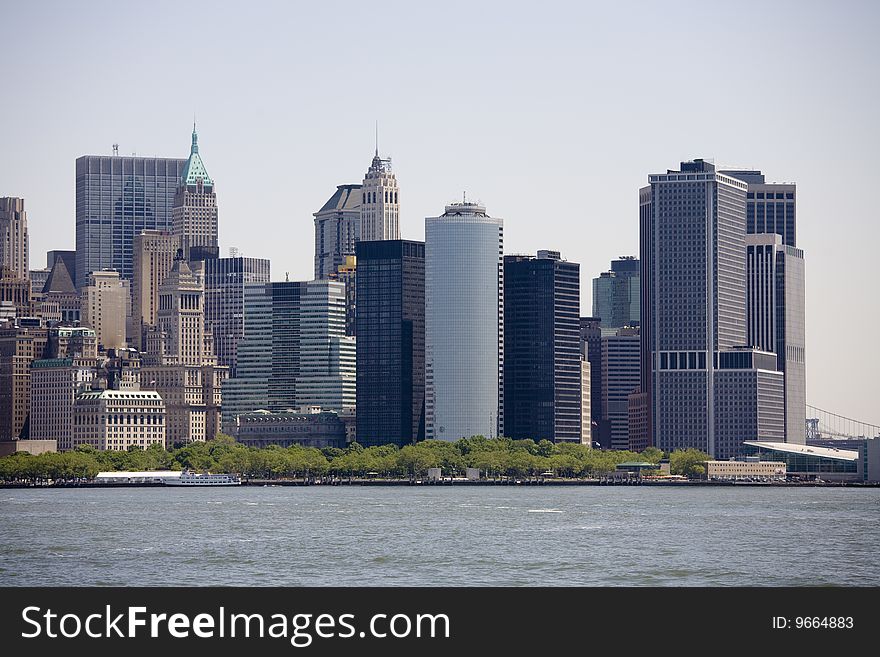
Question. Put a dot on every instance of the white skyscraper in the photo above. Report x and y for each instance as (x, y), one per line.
(380, 208)
(463, 323)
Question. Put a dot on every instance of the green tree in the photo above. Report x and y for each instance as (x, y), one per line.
(688, 462)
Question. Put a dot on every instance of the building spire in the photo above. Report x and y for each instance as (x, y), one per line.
(195, 140)
(377, 137)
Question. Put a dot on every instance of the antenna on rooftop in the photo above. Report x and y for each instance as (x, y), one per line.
(115, 150)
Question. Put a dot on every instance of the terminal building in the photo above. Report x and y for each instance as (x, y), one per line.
(811, 462)
(286, 428)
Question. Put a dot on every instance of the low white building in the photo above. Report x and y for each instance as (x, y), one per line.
(745, 470)
(128, 477)
(119, 419)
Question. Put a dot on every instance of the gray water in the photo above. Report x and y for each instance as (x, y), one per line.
(454, 536)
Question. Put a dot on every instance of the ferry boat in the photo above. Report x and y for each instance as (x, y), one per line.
(203, 479)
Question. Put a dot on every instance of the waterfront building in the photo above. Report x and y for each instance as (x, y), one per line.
(693, 227)
(591, 351)
(813, 462)
(55, 383)
(286, 428)
(637, 411)
(380, 205)
(390, 342)
(117, 198)
(542, 359)
(620, 378)
(118, 419)
(745, 469)
(337, 229)
(22, 341)
(616, 297)
(464, 329)
(775, 311)
(105, 303)
(180, 363)
(154, 252)
(14, 238)
(294, 351)
(194, 212)
(224, 280)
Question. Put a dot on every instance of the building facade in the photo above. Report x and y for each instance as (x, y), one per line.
(380, 204)
(287, 428)
(118, 419)
(180, 363)
(616, 295)
(464, 329)
(693, 233)
(14, 237)
(224, 281)
(337, 229)
(775, 310)
(154, 252)
(116, 199)
(621, 370)
(194, 213)
(542, 359)
(390, 342)
(21, 342)
(591, 351)
(105, 303)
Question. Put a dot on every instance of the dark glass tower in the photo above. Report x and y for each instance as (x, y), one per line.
(390, 342)
(116, 199)
(542, 382)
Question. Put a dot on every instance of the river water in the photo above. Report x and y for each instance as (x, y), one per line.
(453, 536)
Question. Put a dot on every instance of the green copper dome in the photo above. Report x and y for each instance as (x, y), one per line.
(195, 168)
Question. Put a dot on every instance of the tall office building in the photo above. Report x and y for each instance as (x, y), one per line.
(294, 351)
(154, 252)
(14, 237)
(105, 303)
(224, 280)
(180, 363)
(693, 234)
(69, 369)
(390, 342)
(194, 213)
(337, 228)
(620, 378)
(542, 358)
(464, 328)
(380, 206)
(770, 207)
(347, 273)
(776, 319)
(616, 294)
(591, 351)
(116, 199)
(60, 290)
(21, 342)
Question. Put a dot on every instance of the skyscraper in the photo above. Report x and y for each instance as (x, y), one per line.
(180, 363)
(20, 344)
(294, 351)
(620, 378)
(591, 351)
(154, 252)
(337, 227)
(117, 198)
(464, 331)
(224, 280)
(776, 319)
(770, 207)
(105, 301)
(693, 234)
(14, 237)
(380, 207)
(390, 342)
(616, 294)
(194, 213)
(542, 359)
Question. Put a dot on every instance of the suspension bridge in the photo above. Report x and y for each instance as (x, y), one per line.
(822, 424)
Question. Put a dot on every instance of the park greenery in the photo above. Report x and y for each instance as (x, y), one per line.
(496, 458)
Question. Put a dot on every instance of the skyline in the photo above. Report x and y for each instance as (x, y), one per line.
(553, 122)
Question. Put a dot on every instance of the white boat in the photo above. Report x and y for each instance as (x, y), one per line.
(203, 479)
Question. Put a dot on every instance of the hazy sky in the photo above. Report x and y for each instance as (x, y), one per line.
(551, 113)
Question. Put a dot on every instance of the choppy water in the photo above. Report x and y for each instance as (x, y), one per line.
(374, 536)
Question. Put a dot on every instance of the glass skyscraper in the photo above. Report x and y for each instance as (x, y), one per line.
(117, 198)
(464, 331)
(542, 360)
(390, 342)
(616, 294)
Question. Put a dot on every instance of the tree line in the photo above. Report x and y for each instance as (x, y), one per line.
(495, 458)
